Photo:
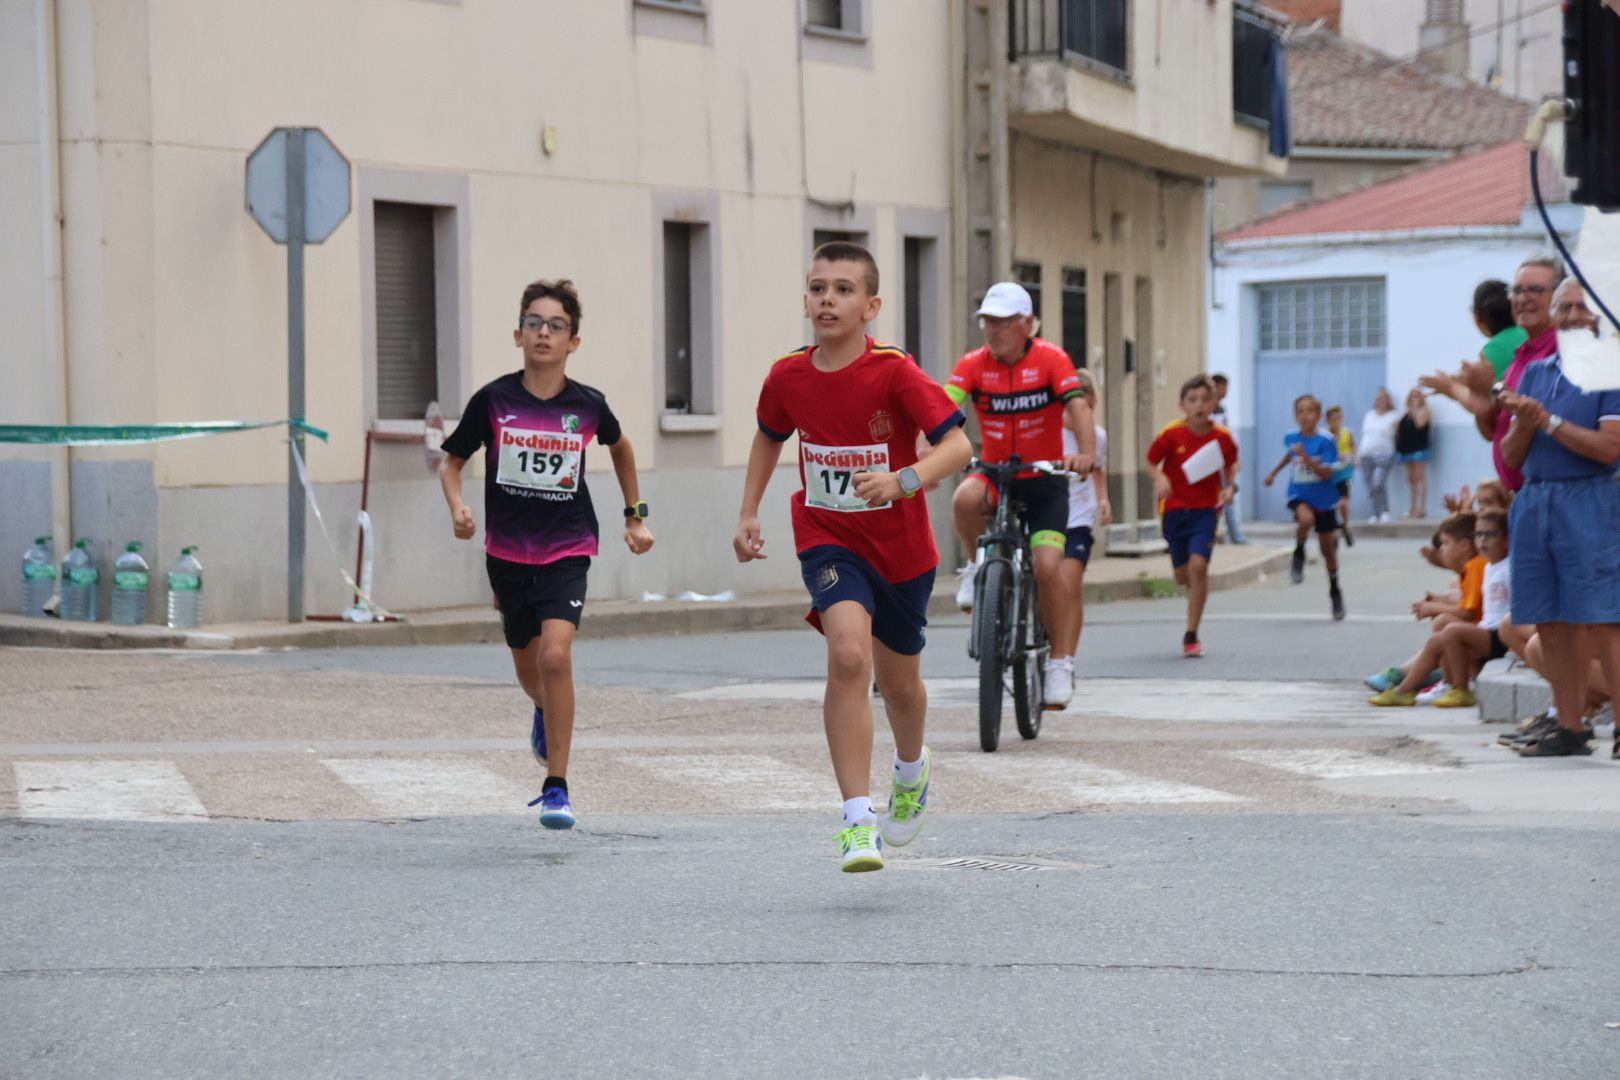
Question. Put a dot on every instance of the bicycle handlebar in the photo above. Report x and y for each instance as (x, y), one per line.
(1049, 468)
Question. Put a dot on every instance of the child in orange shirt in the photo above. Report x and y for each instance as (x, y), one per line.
(1457, 552)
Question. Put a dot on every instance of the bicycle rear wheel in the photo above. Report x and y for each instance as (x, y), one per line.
(990, 617)
(1029, 669)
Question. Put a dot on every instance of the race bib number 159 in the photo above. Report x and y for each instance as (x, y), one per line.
(829, 474)
(541, 460)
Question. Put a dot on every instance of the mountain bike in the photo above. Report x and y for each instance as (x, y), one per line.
(1008, 636)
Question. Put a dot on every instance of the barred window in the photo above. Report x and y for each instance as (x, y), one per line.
(1322, 316)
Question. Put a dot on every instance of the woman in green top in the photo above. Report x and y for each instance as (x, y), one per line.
(1493, 314)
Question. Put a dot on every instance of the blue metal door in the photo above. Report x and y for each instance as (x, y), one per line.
(1319, 337)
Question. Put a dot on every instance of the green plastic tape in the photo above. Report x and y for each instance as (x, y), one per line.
(114, 434)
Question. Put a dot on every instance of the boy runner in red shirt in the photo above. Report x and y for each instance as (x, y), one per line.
(865, 545)
(1191, 507)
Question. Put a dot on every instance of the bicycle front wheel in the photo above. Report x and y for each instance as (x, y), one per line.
(995, 608)
(1029, 669)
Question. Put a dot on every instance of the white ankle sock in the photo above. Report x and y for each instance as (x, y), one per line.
(858, 811)
(907, 772)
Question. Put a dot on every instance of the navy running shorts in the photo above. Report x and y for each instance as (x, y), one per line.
(1079, 544)
(1189, 533)
(899, 610)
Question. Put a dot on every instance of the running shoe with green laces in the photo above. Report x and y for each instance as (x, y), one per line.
(1393, 696)
(862, 849)
(908, 805)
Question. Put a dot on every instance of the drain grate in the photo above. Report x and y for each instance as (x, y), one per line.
(989, 864)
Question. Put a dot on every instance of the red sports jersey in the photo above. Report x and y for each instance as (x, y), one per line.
(1173, 446)
(1020, 406)
(861, 418)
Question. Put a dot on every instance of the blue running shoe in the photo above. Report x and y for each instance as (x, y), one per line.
(537, 737)
(555, 811)
(1390, 676)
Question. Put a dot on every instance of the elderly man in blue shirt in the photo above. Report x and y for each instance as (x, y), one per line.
(1565, 526)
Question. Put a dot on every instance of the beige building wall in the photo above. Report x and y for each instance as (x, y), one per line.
(176, 300)
(1139, 237)
(1172, 110)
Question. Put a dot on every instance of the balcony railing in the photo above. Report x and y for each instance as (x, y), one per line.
(1095, 30)
(1252, 39)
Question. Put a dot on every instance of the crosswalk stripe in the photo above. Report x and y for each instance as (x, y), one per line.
(745, 780)
(1334, 763)
(407, 787)
(1088, 784)
(106, 790)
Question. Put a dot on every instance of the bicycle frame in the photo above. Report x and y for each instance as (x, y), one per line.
(1004, 541)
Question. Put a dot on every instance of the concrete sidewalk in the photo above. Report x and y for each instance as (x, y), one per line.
(1107, 579)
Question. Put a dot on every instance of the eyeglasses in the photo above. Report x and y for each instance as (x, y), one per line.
(1528, 290)
(1487, 534)
(556, 324)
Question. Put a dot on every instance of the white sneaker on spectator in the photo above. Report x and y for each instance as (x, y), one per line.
(1384, 518)
(1059, 682)
(1604, 714)
(1426, 697)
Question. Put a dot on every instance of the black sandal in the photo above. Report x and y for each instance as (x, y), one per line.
(1559, 742)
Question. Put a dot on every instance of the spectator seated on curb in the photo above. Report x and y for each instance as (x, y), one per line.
(1454, 551)
(1525, 642)
(1461, 647)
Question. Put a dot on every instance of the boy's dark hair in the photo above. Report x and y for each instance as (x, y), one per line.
(1491, 519)
(1218, 379)
(849, 251)
(562, 290)
(1458, 527)
(1197, 382)
(1492, 307)
(1331, 409)
(1312, 398)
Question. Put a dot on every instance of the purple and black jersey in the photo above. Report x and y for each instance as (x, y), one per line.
(536, 502)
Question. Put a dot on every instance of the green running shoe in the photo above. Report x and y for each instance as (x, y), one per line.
(908, 805)
(862, 849)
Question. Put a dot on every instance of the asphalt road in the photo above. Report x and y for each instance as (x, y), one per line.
(319, 864)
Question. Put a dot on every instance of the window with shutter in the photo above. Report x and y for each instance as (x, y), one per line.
(828, 14)
(407, 310)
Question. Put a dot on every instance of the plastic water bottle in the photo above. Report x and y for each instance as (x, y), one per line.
(185, 591)
(39, 576)
(131, 577)
(79, 578)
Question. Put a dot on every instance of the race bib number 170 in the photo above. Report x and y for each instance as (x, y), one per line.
(829, 474)
(540, 460)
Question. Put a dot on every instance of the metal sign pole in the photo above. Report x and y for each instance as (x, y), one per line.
(295, 371)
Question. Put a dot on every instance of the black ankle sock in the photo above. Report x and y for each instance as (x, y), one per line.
(554, 781)
(1299, 549)
(1333, 581)
(1190, 638)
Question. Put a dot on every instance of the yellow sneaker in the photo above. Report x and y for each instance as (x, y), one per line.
(1456, 698)
(1393, 696)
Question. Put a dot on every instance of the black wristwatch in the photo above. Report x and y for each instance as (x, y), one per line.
(638, 511)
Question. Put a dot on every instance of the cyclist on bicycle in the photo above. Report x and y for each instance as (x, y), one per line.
(1024, 391)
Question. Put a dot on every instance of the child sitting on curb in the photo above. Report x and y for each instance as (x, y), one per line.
(1460, 646)
(1454, 550)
